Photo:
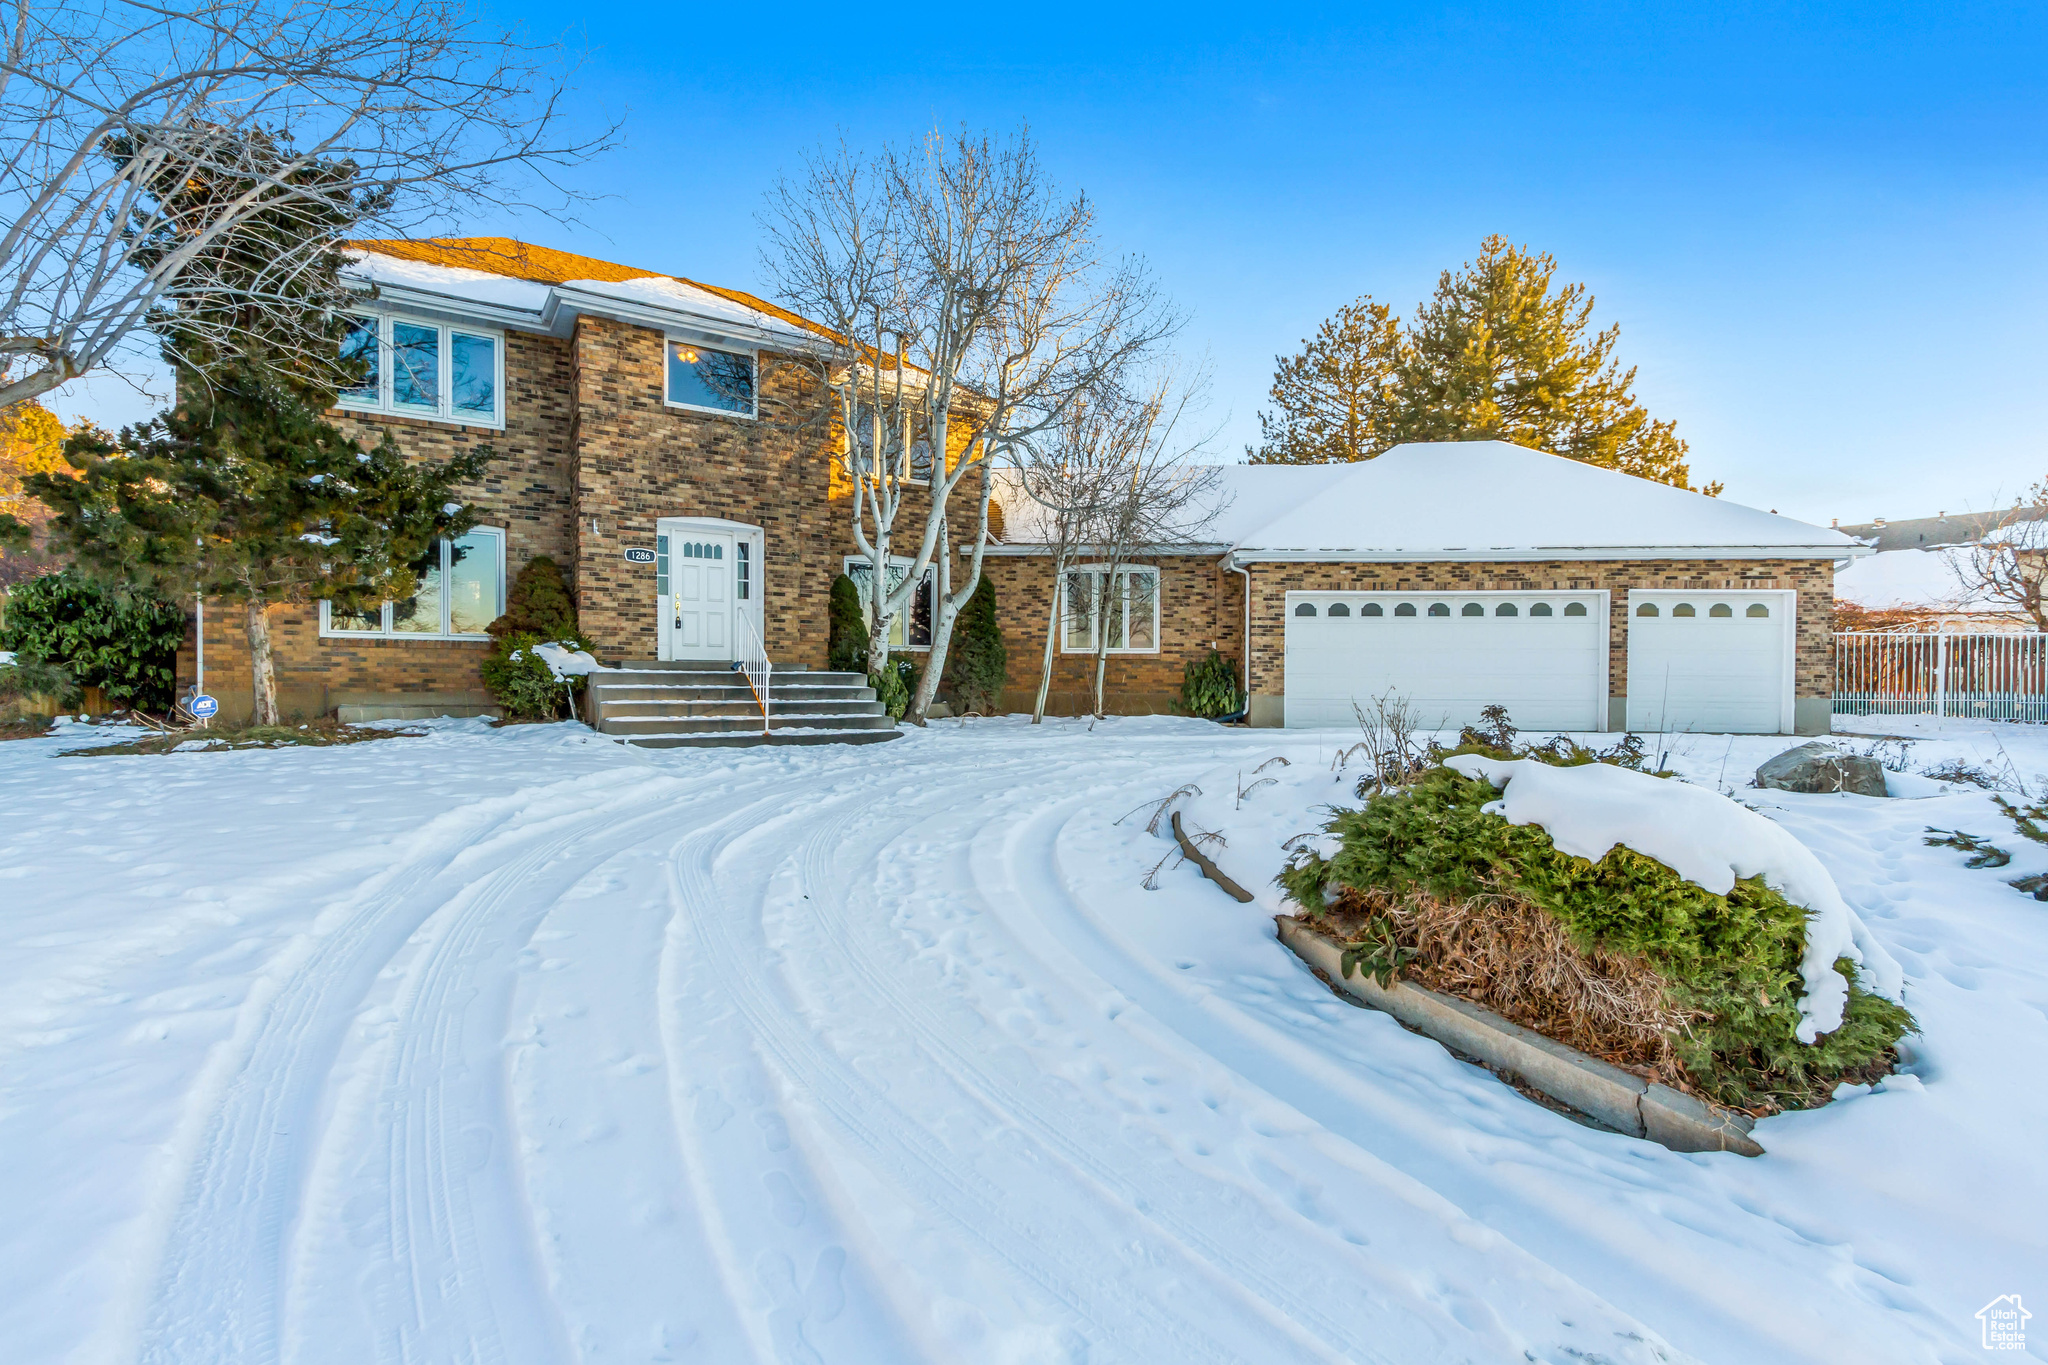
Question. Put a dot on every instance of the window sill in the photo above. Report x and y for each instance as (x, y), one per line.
(1089, 653)
(674, 406)
(421, 418)
(407, 638)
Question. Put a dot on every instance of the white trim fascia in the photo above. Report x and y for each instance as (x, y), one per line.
(1144, 552)
(785, 338)
(400, 298)
(1538, 554)
(557, 317)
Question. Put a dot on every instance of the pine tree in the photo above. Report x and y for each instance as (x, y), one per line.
(1500, 354)
(1330, 401)
(257, 501)
(243, 492)
(847, 624)
(979, 661)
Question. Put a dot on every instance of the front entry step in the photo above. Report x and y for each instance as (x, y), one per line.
(670, 704)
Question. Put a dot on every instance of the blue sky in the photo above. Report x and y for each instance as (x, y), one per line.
(1820, 227)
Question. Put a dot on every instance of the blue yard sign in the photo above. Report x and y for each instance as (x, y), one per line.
(202, 707)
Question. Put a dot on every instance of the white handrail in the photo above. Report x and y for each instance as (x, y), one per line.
(753, 662)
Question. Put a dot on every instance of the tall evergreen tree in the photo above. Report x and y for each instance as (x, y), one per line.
(243, 492)
(1330, 402)
(1500, 352)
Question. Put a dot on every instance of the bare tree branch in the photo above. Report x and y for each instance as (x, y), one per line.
(966, 293)
(426, 109)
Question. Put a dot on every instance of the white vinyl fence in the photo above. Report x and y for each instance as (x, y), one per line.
(1983, 677)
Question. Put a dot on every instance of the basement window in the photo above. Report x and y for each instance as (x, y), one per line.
(422, 369)
(461, 591)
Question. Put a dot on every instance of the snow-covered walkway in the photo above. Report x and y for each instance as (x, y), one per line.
(518, 1046)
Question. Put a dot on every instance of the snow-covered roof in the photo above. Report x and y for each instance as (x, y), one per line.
(1893, 580)
(1476, 500)
(1493, 500)
(514, 283)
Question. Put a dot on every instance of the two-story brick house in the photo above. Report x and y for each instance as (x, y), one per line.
(669, 444)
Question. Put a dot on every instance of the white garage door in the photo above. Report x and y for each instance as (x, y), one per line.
(1541, 655)
(1710, 662)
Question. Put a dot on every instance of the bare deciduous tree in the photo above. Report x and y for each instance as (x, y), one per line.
(1156, 504)
(104, 102)
(2009, 566)
(973, 305)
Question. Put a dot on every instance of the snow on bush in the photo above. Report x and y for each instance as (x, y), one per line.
(1705, 838)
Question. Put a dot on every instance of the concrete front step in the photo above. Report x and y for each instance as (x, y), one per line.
(668, 724)
(615, 694)
(781, 706)
(731, 741)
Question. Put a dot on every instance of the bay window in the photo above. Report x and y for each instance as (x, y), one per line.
(426, 369)
(1123, 606)
(461, 591)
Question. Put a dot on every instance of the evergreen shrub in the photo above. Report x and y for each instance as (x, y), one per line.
(1728, 964)
(895, 684)
(1208, 687)
(848, 651)
(538, 610)
(978, 661)
(124, 643)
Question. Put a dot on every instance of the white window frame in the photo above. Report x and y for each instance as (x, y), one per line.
(1098, 570)
(384, 631)
(383, 406)
(753, 358)
(852, 562)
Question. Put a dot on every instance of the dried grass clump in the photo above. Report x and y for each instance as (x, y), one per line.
(1509, 955)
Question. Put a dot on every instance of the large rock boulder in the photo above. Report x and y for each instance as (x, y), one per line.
(1821, 767)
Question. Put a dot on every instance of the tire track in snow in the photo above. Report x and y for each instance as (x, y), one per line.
(446, 1109)
(1255, 1267)
(972, 1204)
(220, 1278)
(1332, 1295)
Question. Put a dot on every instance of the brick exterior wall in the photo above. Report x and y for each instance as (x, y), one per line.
(1812, 579)
(1201, 606)
(525, 492)
(640, 460)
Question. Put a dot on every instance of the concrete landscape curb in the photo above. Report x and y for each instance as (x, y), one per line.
(1624, 1102)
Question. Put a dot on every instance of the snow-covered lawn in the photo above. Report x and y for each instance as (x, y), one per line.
(516, 1045)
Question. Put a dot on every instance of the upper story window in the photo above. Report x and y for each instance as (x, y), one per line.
(710, 380)
(427, 369)
(915, 466)
(461, 591)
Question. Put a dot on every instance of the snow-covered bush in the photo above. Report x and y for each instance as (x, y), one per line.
(519, 678)
(1617, 952)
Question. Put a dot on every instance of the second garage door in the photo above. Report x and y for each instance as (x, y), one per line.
(1541, 655)
(1710, 662)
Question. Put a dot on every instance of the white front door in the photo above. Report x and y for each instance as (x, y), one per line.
(697, 571)
(1542, 655)
(707, 574)
(1710, 662)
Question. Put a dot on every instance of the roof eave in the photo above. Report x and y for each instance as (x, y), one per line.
(1540, 553)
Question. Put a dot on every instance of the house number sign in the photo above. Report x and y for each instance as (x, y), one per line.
(637, 556)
